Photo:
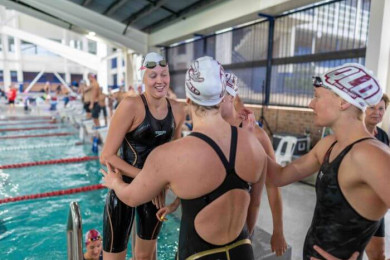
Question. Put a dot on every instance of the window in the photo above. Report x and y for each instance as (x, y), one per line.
(181, 49)
(115, 80)
(114, 64)
(11, 44)
(14, 76)
(28, 48)
(92, 47)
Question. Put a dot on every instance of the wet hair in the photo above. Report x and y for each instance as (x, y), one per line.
(385, 98)
(201, 110)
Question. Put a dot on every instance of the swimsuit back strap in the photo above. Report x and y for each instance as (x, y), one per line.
(213, 145)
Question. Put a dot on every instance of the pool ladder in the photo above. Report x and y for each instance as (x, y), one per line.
(74, 233)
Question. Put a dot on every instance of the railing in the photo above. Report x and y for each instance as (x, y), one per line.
(74, 233)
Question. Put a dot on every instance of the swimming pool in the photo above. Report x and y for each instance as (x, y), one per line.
(36, 229)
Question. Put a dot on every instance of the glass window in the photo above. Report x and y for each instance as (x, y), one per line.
(11, 44)
(92, 47)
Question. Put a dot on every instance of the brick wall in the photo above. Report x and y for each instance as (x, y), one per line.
(289, 120)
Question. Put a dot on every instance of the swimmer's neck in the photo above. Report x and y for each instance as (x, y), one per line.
(348, 132)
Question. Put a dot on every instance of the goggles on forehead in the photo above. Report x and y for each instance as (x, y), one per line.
(153, 64)
(91, 239)
(317, 82)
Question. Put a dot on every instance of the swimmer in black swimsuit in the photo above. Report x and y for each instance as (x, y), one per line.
(353, 179)
(139, 125)
(374, 115)
(211, 171)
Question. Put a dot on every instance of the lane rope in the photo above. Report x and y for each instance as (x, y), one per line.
(28, 128)
(48, 162)
(15, 118)
(28, 123)
(53, 193)
(33, 136)
(30, 147)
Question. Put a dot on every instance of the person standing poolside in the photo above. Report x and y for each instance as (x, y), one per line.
(353, 182)
(94, 105)
(86, 94)
(374, 114)
(228, 112)
(93, 243)
(11, 98)
(211, 170)
(139, 125)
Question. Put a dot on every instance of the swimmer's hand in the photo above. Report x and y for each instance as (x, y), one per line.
(167, 210)
(328, 256)
(112, 177)
(278, 243)
(248, 119)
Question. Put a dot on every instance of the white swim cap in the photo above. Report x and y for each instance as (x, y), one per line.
(354, 83)
(231, 84)
(205, 82)
(152, 59)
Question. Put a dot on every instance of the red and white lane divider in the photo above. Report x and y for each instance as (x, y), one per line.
(28, 128)
(39, 146)
(28, 123)
(48, 162)
(16, 118)
(53, 193)
(32, 136)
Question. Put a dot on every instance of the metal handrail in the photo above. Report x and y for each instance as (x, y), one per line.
(74, 233)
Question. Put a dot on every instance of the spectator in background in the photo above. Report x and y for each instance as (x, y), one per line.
(86, 93)
(11, 98)
(94, 104)
(93, 244)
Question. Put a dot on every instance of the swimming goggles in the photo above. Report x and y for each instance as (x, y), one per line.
(91, 239)
(153, 64)
(317, 82)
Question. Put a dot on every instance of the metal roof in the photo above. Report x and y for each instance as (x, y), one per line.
(146, 15)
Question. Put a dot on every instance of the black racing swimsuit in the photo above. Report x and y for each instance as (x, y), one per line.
(336, 227)
(136, 146)
(191, 245)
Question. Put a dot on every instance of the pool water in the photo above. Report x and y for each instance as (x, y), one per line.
(36, 229)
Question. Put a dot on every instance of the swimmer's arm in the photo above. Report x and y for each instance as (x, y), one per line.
(257, 189)
(374, 165)
(278, 242)
(148, 184)
(179, 115)
(254, 205)
(294, 171)
(119, 126)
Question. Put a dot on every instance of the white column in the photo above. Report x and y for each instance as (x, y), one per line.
(102, 51)
(129, 72)
(6, 71)
(378, 47)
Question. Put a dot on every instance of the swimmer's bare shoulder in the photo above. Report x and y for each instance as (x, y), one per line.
(129, 113)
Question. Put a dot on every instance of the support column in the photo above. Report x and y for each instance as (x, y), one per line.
(102, 73)
(129, 72)
(6, 71)
(378, 48)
